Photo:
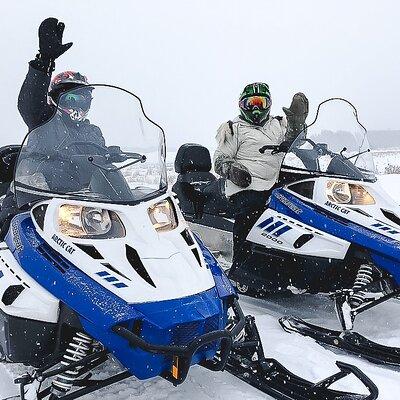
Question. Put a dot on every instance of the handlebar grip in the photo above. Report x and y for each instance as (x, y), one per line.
(136, 155)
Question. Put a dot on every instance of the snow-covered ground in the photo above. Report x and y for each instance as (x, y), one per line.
(300, 355)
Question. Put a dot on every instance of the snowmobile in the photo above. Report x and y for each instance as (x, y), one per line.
(328, 228)
(99, 264)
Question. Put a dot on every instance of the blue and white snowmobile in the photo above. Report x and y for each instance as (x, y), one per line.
(99, 264)
(329, 228)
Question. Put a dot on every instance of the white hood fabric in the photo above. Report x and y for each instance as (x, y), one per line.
(242, 144)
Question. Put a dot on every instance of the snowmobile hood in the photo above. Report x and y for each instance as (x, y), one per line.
(142, 266)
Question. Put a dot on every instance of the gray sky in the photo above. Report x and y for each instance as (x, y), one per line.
(188, 60)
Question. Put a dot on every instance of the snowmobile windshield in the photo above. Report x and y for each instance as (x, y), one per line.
(114, 154)
(334, 144)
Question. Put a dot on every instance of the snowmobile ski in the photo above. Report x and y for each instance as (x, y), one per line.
(248, 363)
(348, 341)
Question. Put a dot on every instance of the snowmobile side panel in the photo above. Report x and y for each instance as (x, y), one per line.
(380, 246)
(21, 296)
(278, 231)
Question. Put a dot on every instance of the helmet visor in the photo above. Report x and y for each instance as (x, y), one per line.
(253, 102)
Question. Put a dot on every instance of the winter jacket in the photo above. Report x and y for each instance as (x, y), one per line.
(32, 99)
(242, 143)
(50, 141)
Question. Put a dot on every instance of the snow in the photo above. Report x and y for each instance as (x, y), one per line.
(299, 354)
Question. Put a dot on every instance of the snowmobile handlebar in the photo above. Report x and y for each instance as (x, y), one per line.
(186, 353)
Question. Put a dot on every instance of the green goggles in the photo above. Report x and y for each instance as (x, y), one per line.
(76, 100)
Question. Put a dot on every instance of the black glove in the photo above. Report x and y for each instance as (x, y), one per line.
(239, 175)
(283, 147)
(296, 115)
(50, 44)
(298, 108)
(116, 154)
(50, 39)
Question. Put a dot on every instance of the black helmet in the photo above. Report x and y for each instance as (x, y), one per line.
(75, 104)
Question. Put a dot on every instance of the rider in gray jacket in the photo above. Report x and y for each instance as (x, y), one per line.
(250, 173)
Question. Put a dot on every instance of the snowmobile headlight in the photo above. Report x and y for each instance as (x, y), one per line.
(348, 193)
(163, 216)
(89, 222)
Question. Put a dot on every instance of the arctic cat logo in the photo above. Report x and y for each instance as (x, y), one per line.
(16, 237)
(288, 203)
(68, 248)
(337, 208)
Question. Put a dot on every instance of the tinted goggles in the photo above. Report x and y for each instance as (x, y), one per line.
(261, 102)
(77, 100)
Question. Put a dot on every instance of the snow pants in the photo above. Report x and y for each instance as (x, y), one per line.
(248, 206)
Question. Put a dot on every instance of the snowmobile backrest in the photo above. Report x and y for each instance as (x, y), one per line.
(193, 164)
(8, 158)
(192, 157)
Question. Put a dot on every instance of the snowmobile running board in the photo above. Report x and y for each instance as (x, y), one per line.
(348, 341)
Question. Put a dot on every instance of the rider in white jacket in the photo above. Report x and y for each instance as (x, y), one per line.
(251, 174)
(240, 142)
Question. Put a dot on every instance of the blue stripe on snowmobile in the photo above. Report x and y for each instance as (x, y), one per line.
(1, 274)
(111, 279)
(282, 230)
(120, 285)
(102, 273)
(386, 228)
(265, 223)
(274, 226)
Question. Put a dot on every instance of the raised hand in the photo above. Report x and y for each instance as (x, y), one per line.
(50, 39)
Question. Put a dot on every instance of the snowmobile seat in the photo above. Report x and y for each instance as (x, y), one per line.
(8, 158)
(193, 165)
